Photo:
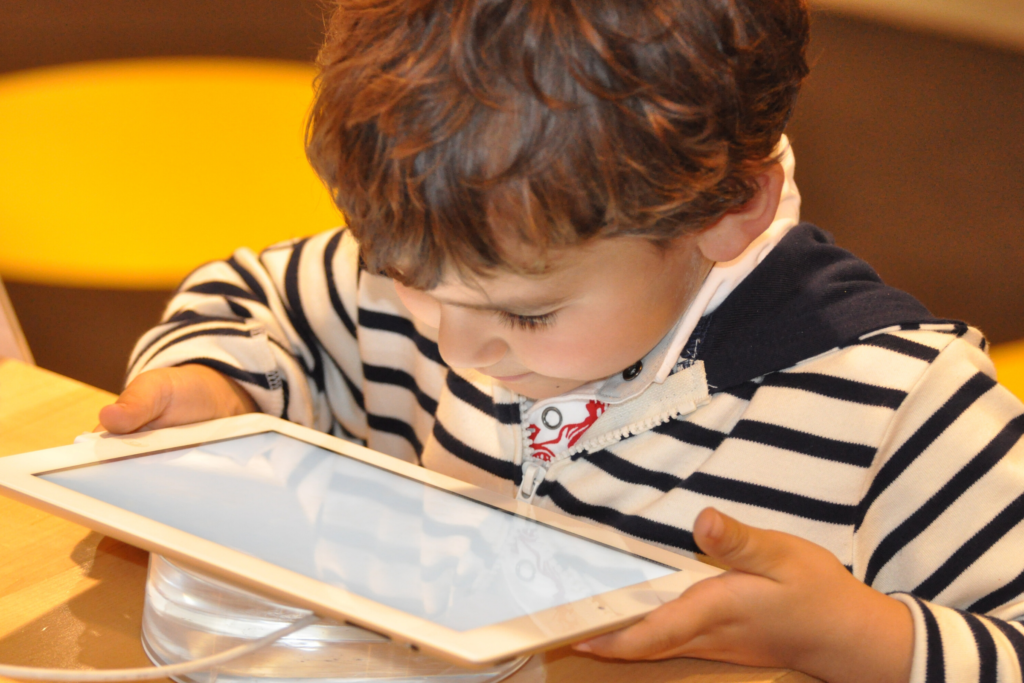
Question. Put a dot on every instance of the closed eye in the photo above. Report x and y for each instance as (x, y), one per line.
(526, 322)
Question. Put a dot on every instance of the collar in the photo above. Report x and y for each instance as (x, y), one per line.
(807, 297)
(661, 361)
(726, 277)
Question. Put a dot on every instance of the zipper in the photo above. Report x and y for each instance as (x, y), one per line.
(534, 472)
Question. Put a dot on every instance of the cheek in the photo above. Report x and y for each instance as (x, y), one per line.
(589, 347)
(566, 355)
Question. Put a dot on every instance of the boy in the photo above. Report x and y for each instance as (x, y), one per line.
(573, 273)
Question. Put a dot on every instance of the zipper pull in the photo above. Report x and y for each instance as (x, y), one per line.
(533, 474)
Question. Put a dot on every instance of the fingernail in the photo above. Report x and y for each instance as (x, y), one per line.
(582, 647)
(714, 528)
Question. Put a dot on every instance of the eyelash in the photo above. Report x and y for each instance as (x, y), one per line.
(526, 322)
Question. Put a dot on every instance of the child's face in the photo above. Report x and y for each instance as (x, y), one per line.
(599, 309)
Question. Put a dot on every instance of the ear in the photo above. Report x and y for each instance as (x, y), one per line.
(732, 233)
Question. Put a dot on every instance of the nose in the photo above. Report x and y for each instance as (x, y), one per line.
(466, 341)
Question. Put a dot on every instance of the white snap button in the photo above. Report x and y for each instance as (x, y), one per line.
(551, 417)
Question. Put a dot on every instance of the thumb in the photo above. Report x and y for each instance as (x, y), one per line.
(737, 545)
(142, 401)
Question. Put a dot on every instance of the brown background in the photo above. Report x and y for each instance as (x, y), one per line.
(910, 149)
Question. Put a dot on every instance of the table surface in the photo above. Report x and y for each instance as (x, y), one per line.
(71, 597)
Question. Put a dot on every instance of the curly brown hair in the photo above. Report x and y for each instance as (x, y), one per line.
(447, 130)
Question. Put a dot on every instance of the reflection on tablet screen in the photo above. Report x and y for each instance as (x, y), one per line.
(428, 552)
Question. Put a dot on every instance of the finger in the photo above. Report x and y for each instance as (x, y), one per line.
(639, 641)
(739, 546)
(666, 632)
(139, 404)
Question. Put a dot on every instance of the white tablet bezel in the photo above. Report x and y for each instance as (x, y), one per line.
(481, 646)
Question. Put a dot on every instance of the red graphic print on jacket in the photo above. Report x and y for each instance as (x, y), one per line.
(568, 434)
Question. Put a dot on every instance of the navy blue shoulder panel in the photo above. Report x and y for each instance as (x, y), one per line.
(808, 296)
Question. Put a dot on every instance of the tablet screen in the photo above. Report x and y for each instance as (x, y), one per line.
(428, 552)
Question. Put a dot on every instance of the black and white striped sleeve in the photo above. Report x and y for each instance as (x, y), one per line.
(281, 324)
(941, 524)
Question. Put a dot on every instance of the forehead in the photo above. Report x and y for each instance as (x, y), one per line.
(564, 273)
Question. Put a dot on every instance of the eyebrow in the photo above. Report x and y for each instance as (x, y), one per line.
(518, 307)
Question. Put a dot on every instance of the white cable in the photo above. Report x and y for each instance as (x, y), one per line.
(148, 672)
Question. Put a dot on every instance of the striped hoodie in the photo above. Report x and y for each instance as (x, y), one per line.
(814, 400)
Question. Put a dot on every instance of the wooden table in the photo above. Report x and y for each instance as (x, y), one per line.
(71, 597)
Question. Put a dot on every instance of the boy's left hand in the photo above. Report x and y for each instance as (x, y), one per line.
(785, 602)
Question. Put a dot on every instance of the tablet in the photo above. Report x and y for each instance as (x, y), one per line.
(315, 521)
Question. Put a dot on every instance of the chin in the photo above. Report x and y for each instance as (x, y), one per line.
(538, 391)
(523, 389)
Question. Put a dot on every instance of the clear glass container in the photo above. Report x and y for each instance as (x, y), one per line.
(190, 615)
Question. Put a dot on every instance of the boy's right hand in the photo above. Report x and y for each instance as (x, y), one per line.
(173, 396)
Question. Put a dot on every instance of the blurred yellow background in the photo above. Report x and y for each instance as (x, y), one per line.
(1009, 360)
(130, 173)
